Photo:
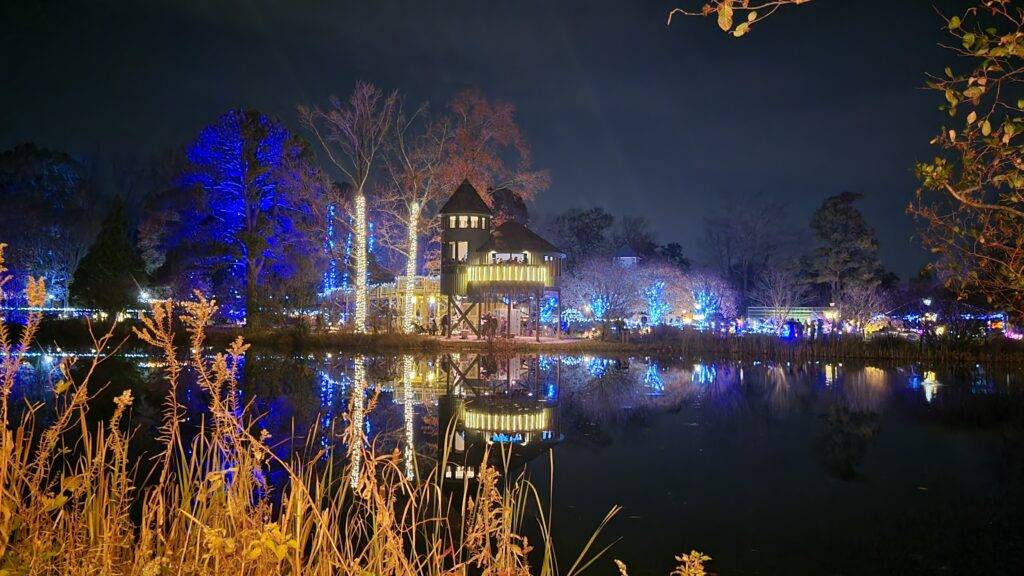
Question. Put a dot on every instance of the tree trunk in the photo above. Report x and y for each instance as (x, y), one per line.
(252, 315)
(410, 270)
(359, 321)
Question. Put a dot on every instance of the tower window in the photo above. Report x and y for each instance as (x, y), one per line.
(463, 221)
(451, 222)
(473, 220)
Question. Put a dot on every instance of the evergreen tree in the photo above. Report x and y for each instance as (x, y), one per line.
(111, 272)
(847, 250)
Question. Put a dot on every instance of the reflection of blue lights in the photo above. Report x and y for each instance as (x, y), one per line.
(597, 367)
(704, 373)
(328, 396)
(572, 360)
(652, 379)
(546, 363)
(502, 438)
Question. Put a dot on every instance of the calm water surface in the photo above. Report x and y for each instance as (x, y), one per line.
(769, 468)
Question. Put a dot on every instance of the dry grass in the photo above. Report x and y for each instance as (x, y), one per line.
(72, 502)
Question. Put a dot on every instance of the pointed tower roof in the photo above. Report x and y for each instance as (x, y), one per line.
(466, 200)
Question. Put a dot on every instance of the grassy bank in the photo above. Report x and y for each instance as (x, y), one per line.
(691, 344)
(76, 333)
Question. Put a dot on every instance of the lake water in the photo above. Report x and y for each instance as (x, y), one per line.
(814, 468)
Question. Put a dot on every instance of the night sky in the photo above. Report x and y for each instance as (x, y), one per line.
(625, 112)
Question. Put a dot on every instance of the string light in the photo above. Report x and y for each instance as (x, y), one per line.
(410, 268)
(361, 268)
(408, 374)
(355, 449)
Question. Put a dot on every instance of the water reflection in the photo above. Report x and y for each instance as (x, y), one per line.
(504, 407)
(715, 454)
(522, 406)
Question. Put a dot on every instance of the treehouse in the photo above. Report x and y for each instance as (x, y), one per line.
(499, 274)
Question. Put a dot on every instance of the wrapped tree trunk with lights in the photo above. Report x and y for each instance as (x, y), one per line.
(417, 155)
(353, 134)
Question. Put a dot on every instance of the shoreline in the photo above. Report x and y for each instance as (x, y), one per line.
(695, 345)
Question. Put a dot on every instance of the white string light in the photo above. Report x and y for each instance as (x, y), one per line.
(361, 271)
(408, 374)
(355, 449)
(410, 268)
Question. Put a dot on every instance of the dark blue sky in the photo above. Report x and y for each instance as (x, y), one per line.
(626, 113)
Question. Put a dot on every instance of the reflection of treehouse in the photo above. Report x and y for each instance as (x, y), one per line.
(497, 406)
(493, 271)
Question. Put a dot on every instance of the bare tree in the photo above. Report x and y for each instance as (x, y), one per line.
(604, 289)
(416, 186)
(743, 237)
(353, 134)
(781, 290)
(859, 302)
(489, 148)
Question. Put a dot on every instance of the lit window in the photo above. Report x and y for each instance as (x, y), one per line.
(451, 248)
(462, 251)
(483, 222)
(463, 221)
(451, 221)
(473, 221)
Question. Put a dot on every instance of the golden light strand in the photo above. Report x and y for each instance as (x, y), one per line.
(360, 251)
(355, 449)
(408, 374)
(410, 269)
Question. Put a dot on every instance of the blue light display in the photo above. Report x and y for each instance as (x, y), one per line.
(243, 233)
(599, 305)
(652, 379)
(654, 296)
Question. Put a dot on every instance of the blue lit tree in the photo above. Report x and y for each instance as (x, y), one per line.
(663, 290)
(714, 299)
(248, 238)
(654, 297)
(604, 289)
(46, 214)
